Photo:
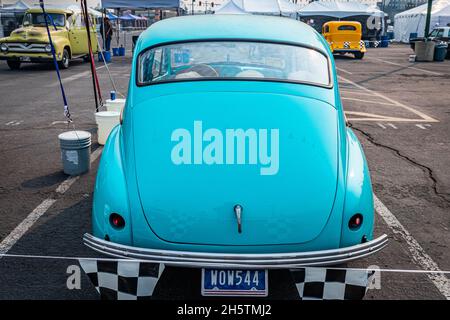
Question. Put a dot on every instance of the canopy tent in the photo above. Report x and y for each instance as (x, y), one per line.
(413, 20)
(339, 9)
(11, 17)
(371, 18)
(17, 7)
(111, 16)
(230, 8)
(95, 13)
(129, 17)
(266, 7)
(141, 4)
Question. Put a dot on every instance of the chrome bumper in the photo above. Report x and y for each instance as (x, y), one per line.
(237, 260)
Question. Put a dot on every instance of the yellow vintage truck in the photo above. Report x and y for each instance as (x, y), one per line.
(30, 42)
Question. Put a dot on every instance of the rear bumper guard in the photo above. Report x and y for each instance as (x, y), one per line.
(237, 260)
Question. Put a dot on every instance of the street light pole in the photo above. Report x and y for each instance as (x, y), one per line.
(427, 22)
(192, 7)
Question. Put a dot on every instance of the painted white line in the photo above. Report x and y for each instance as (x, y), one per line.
(369, 101)
(356, 92)
(392, 126)
(343, 70)
(14, 123)
(381, 126)
(66, 184)
(398, 104)
(418, 254)
(25, 225)
(421, 126)
(74, 77)
(406, 66)
(18, 232)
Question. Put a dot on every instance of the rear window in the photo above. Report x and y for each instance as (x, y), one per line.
(347, 28)
(220, 60)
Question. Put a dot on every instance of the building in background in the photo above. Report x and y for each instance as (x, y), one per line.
(202, 6)
(392, 7)
(62, 3)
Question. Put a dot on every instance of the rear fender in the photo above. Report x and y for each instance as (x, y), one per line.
(110, 192)
(358, 196)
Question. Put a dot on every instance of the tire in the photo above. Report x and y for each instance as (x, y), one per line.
(86, 58)
(65, 61)
(13, 65)
(359, 55)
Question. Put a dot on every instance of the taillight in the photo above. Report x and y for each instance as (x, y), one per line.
(355, 221)
(117, 221)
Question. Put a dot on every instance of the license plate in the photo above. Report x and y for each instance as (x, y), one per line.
(226, 282)
(26, 59)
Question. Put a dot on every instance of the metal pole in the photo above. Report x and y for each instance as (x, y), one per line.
(87, 24)
(427, 22)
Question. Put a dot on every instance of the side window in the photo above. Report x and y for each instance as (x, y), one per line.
(440, 33)
(157, 61)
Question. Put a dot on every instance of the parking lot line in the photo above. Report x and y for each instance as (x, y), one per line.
(422, 115)
(343, 70)
(418, 254)
(10, 240)
(409, 67)
(74, 77)
(368, 101)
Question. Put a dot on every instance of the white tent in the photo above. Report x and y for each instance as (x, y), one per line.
(339, 9)
(413, 20)
(230, 8)
(266, 7)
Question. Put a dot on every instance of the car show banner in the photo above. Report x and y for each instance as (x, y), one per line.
(136, 280)
(122, 280)
(332, 284)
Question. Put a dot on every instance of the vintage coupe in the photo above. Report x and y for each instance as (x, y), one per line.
(233, 153)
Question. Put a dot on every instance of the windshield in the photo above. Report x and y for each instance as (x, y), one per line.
(38, 19)
(217, 60)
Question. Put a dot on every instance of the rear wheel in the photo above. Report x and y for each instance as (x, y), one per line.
(13, 65)
(86, 58)
(65, 61)
(359, 55)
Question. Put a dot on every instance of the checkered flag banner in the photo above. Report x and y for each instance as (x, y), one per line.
(122, 279)
(331, 284)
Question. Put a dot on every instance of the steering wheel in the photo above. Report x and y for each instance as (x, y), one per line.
(202, 69)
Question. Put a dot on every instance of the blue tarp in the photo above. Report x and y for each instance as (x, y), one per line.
(111, 16)
(147, 4)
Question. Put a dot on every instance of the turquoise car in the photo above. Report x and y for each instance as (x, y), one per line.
(233, 155)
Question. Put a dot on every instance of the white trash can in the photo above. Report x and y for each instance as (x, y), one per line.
(106, 121)
(75, 152)
(115, 105)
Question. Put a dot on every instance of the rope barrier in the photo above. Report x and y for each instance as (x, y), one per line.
(392, 270)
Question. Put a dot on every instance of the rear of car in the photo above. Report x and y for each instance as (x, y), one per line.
(344, 37)
(233, 157)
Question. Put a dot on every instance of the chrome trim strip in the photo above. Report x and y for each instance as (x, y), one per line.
(236, 260)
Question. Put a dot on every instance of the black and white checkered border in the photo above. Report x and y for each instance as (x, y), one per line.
(331, 284)
(122, 280)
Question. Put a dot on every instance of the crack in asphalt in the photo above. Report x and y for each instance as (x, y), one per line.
(442, 195)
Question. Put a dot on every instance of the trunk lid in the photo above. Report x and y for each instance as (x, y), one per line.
(283, 171)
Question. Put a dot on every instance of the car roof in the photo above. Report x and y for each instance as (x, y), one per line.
(50, 10)
(342, 22)
(242, 27)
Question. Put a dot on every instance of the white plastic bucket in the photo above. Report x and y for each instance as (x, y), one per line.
(115, 105)
(106, 121)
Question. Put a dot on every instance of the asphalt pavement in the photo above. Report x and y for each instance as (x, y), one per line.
(399, 110)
